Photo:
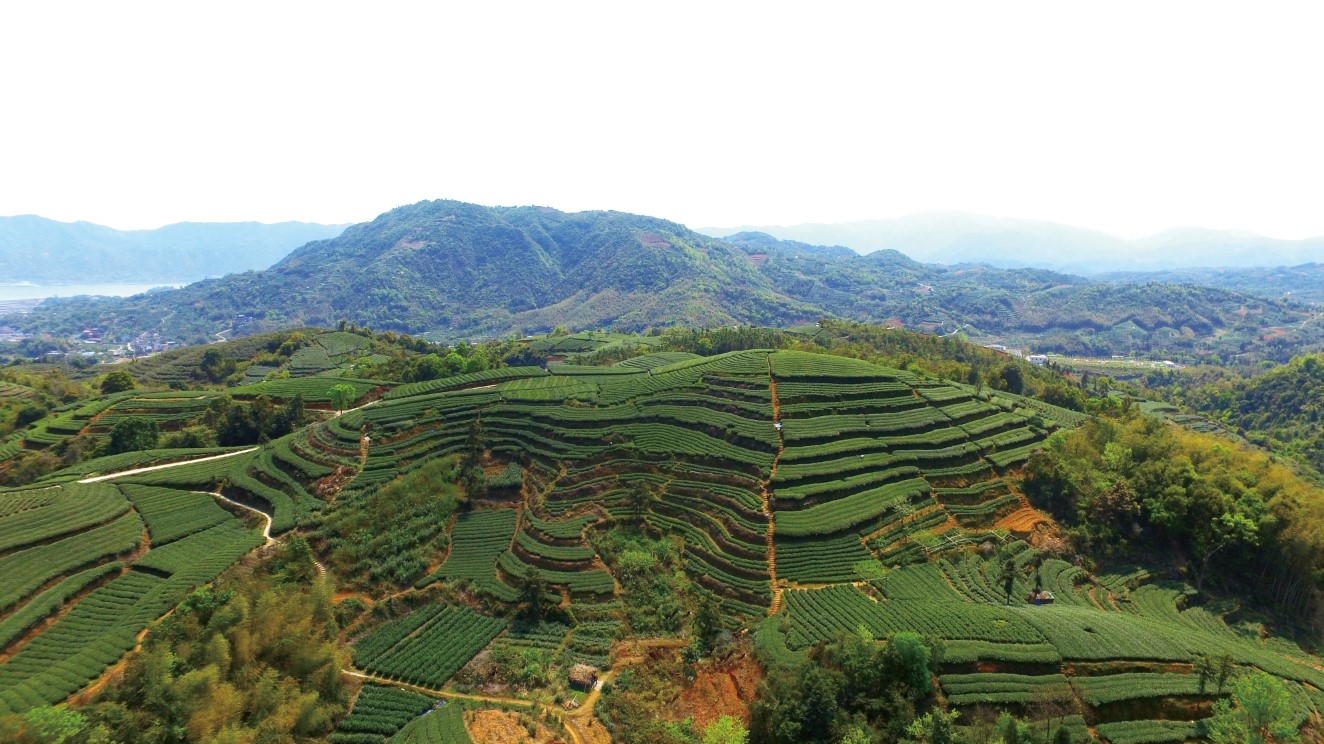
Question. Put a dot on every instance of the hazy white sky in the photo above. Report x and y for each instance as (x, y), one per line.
(1123, 116)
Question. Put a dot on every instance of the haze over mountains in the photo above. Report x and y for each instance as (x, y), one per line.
(956, 237)
(42, 251)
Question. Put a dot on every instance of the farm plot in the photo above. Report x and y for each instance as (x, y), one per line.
(171, 514)
(430, 655)
(1116, 688)
(998, 689)
(817, 615)
(24, 571)
(312, 389)
(824, 560)
(477, 541)
(443, 724)
(69, 508)
(379, 712)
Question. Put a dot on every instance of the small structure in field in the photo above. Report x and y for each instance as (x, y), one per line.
(1041, 597)
(583, 677)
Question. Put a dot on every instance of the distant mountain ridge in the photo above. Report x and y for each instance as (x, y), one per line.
(456, 270)
(40, 250)
(955, 237)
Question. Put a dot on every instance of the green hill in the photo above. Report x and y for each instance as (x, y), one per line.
(456, 270)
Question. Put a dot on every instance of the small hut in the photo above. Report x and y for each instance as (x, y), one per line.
(1041, 597)
(583, 677)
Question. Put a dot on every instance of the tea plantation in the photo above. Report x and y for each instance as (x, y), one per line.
(812, 495)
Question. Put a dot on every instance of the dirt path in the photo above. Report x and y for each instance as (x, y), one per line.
(266, 527)
(99, 478)
(439, 693)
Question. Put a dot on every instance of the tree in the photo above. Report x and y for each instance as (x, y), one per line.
(936, 727)
(1053, 703)
(1225, 669)
(133, 434)
(1008, 577)
(28, 414)
(118, 381)
(533, 592)
(1260, 712)
(641, 496)
(914, 656)
(51, 725)
(1013, 380)
(342, 396)
(1205, 670)
(1012, 731)
(707, 622)
(818, 704)
(857, 735)
(294, 413)
(216, 366)
(725, 730)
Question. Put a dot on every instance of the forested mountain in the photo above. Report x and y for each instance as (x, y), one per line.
(1304, 282)
(35, 249)
(459, 270)
(955, 237)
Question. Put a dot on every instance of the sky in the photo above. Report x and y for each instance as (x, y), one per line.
(1128, 117)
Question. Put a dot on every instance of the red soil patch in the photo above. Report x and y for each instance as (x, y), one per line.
(724, 688)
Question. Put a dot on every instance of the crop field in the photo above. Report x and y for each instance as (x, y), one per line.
(442, 724)
(432, 650)
(313, 389)
(379, 713)
(862, 449)
(478, 539)
(108, 559)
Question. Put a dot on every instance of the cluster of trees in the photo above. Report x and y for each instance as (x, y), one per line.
(1131, 486)
(657, 595)
(1281, 409)
(856, 689)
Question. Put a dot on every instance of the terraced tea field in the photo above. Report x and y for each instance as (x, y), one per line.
(92, 565)
(828, 493)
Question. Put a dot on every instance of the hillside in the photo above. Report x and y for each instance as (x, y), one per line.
(1280, 409)
(954, 237)
(1304, 282)
(455, 270)
(35, 249)
(508, 524)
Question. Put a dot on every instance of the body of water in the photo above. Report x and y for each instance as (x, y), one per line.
(42, 291)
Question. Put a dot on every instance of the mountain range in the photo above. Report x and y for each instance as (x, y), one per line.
(455, 270)
(39, 250)
(956, 237)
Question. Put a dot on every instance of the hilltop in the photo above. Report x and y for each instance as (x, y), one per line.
(35, 249)
(454, 270)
